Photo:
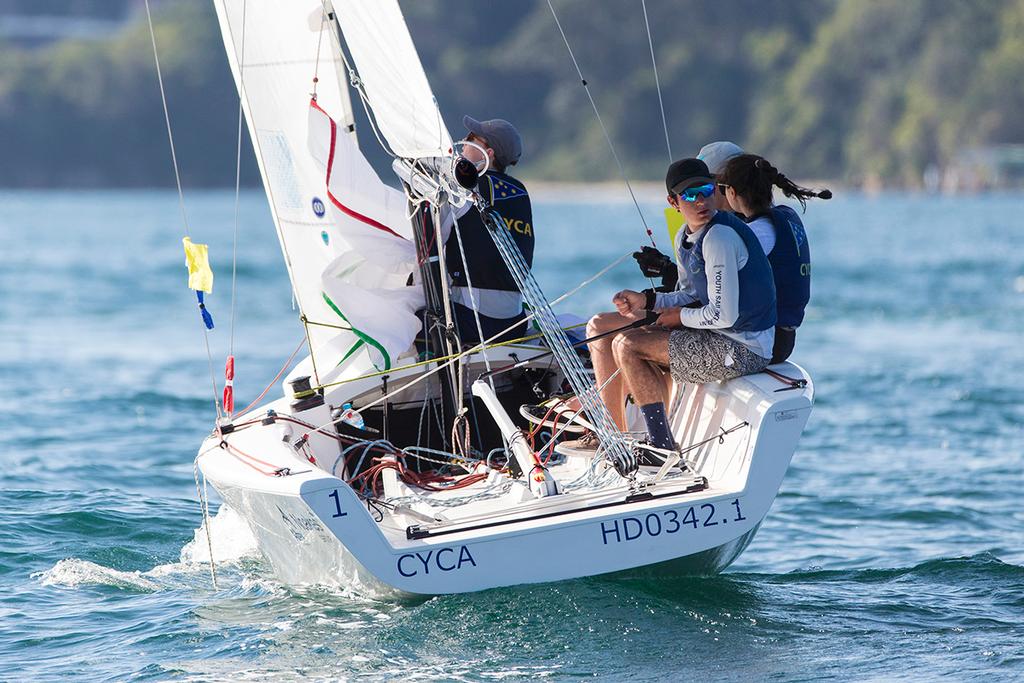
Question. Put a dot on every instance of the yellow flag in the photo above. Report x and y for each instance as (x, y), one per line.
(674, 221)
(197, 261)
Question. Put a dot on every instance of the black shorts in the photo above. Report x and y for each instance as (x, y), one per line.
(785, 339)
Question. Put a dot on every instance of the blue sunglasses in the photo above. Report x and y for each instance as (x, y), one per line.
(691, 194)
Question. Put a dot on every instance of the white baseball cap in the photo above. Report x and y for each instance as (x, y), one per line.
(717, 154)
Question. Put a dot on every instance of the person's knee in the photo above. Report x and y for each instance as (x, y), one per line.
(623, 346)
(603, 322)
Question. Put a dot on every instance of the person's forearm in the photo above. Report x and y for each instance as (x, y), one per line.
(672, 299)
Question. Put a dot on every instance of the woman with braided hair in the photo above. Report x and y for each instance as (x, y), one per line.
(747, 183)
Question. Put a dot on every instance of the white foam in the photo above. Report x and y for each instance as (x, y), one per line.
(73, 572)
(232, 540)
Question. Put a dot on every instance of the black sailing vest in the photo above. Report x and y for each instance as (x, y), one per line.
(509, 198)
(791, 266)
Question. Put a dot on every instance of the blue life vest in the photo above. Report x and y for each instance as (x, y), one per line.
(487, 270)
(791, 266)
(757, 289)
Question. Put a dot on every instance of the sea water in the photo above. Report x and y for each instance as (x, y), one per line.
(894, 549)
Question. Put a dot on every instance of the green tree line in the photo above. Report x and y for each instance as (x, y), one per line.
(851, 90)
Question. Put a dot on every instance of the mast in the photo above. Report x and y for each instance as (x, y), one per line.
(437, 314)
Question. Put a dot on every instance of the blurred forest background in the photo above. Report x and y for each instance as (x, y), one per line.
(876, 93)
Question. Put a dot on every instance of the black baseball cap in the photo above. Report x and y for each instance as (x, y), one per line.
(686, 173)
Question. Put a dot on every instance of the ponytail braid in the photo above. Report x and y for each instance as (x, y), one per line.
(753, 177)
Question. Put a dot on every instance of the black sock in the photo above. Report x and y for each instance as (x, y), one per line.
(657, 425)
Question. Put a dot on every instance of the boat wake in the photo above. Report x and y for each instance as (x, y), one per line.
(230, 539)
(73, 572)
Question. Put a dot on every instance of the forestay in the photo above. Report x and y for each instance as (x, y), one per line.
(285, 45)
(392, 77)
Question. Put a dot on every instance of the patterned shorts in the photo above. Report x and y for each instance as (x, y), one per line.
(698, 356)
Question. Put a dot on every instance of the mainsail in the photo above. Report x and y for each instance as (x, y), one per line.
(344, 234)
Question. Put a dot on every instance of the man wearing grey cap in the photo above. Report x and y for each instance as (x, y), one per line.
(480, 279)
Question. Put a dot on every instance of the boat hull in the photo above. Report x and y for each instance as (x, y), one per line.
(305, 548)
(314, 529)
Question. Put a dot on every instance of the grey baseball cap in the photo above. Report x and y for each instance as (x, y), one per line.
(717, 154)
(501, 136)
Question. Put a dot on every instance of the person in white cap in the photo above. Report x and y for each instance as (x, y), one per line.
(496, 145)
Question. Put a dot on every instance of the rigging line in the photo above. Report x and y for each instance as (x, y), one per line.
(600, 121)
(472, 292)
(357, 84)
(483, 344)
(657, 83)
(568, 359)
(181, 195)
(512, 343)
(167, 118)
(486, 344)
(312, 356)
(319, 40)
(205, 509)
(572, 418)
(442, 264)
(276, 377)
(307, 321)
(238, 188)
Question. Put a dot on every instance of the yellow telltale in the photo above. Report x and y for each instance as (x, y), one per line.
(197, 260)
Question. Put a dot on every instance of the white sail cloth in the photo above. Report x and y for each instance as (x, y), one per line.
(366, 283)
(330, 263)
(393, 79)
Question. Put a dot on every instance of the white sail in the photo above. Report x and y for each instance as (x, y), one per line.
(367, 283)
(396, 87)
(285, 45)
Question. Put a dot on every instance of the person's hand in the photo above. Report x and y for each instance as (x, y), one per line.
(669, 317)
(627, 302)
(652, 262)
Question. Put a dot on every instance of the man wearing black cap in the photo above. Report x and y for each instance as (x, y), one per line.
(480, 280)
(652, 262)
(726, 271)
(727, 334)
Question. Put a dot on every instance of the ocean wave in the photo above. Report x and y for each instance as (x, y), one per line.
(970, 567)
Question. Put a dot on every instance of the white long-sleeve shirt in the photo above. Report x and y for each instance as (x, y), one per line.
(764, 230)
(724, 255)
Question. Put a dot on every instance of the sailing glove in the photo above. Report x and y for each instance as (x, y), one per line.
(655, 264)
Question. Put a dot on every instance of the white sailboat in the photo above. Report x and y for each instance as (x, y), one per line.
(406, 504)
